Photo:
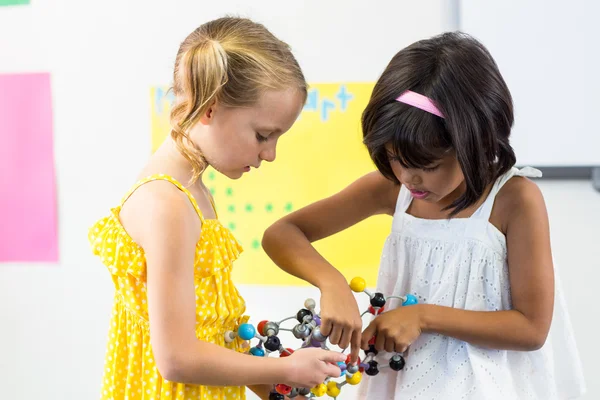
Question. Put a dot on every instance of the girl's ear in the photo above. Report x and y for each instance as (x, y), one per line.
(209, 114)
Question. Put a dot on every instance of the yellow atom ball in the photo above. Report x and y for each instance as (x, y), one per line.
(332, 389)
(319, 390)
(358, 284)
(355, 379)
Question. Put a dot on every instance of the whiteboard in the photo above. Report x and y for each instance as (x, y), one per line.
(547, 51)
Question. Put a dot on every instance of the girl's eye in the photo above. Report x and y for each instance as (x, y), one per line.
(261, 138)
(431, 169)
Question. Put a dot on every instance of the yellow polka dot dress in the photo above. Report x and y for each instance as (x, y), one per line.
(130, 372)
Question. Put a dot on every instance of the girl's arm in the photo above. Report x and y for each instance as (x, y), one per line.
(164, 223)
(531, 272)
(288, 244)
(288, 241)
(526, 325)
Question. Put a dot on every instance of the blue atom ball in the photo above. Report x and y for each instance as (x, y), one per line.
(246, 331)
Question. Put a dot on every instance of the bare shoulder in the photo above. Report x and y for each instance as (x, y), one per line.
(158, 206)
(383, 191)
(520, 191)
(519, 197)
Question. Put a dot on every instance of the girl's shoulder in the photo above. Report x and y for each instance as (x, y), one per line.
(386, 191)
(518, 197)
(157, 204)
(372, 191)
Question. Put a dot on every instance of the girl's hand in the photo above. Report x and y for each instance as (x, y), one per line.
(395, 329)
(340, 318)
(310, 367)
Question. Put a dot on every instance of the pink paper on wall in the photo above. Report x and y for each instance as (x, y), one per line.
(28, 220)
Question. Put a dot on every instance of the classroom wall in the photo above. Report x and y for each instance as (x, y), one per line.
(542, 45)
(104, 57)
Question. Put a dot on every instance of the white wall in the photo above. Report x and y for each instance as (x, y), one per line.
(103, 57)
(542, 48)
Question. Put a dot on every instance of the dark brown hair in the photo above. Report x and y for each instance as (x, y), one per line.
(458, 73)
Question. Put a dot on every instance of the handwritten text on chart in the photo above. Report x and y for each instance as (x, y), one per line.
(314, 102)
(325, 105)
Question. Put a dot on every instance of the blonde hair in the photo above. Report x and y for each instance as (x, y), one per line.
(231, 61)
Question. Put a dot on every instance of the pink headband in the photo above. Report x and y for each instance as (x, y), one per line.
(419, 101)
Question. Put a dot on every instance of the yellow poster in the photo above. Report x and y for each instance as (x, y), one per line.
(319, 156)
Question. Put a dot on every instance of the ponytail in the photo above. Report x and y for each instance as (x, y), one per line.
(201, 73)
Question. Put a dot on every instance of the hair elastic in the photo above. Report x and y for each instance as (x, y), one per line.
(419, 101)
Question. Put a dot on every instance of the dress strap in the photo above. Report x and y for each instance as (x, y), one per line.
(163, 177)
(404, 199)
(485, 210)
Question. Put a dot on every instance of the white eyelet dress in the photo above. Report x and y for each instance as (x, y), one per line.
(462, 263)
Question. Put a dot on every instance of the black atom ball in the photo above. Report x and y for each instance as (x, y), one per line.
(378, 300)
(397, 362)
(301, 314)
(372, 350)
(373, 368)
(276, 396)
(273, 343)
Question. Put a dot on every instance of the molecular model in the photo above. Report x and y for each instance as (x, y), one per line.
(308, 329)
